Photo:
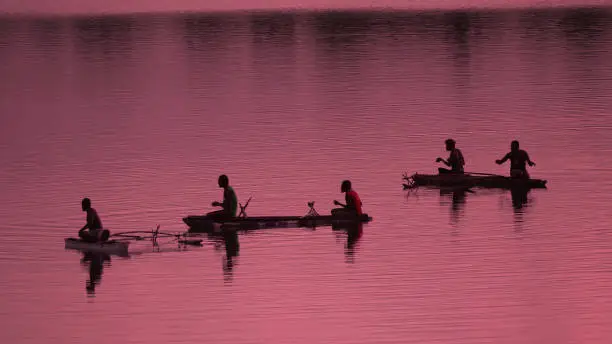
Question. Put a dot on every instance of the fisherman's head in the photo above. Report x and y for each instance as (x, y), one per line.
(85, 204)
(346, 186)
(514, 146)
(223, 181)
(450, 144)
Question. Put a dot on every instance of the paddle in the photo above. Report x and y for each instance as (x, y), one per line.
(484, 174)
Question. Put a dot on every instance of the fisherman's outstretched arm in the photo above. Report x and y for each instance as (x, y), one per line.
(503, 160)
(531, 163)
(340, 204)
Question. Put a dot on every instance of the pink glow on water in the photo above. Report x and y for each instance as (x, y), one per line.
(138, 114)
(118, 6)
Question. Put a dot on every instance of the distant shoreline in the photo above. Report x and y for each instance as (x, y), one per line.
(299, 11)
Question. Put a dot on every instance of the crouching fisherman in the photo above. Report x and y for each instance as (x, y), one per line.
(94, 232)
(353, 202)
(229, 204)
(455, 160)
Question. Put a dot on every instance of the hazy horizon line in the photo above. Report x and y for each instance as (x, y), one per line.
(297, 10)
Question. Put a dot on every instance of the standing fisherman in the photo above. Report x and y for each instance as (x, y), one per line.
(518, 161)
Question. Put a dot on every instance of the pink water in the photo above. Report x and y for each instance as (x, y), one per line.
(141, 114)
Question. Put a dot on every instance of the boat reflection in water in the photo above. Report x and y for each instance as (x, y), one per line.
(232, 248)
(228, 239)
(95, 261)
(354, 232)
(519, 198)
(520, 203)
(457, 201)
(353, 235)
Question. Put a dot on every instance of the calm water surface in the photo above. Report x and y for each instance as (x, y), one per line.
(141, 114)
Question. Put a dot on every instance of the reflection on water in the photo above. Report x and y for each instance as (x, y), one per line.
(106, 36)
(349, 236)
(275, 30)
(353, 235)
(205, 33)
(95, 262)
(142, 113)
(228, 242)
(457, 198)
(232, 248)
(519, 198)
(584, 26)
(48, 34)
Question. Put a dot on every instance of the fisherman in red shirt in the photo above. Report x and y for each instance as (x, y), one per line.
(353, 202)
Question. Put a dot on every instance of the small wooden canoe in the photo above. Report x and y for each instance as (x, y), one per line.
(471, 180)
(203, 223)
(109, 247)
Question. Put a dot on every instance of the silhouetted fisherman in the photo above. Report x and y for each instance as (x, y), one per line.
(95, 232)
(353, 202)
(518, 161)
(230, 201)
(455, 160)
